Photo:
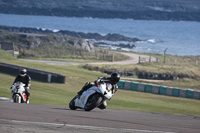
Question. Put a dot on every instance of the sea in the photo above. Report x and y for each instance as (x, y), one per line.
(176, 37)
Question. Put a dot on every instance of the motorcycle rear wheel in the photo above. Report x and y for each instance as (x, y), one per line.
(93, 102)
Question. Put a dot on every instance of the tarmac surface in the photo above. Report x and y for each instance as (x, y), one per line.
(34, 118)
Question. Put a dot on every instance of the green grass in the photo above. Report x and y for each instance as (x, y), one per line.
(184, 65)
(61, 94)
(68, 60)
(71, 54)
(4, 56)
(130, 100)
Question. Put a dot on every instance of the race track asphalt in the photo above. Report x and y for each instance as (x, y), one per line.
(34, 118)
(133, 59)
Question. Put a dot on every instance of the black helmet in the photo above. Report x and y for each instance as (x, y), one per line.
(114, 78)
(23, 72)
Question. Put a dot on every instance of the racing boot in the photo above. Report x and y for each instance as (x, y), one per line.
(27, 100)
(27, 94)
(103, 105)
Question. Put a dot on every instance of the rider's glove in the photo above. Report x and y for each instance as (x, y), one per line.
(27, 88)
(116, 87)
(11, 87)
(96, 82)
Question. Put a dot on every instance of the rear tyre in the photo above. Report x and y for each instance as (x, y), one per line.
(72, 104)
(93, 102)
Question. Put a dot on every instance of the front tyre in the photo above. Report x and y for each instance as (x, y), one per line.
(17, 98)
(93, 102)
(72, 104)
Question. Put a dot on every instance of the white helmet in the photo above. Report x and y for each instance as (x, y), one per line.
(23, 72)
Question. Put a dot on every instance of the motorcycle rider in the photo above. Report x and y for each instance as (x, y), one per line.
(113, 80)
(25, 79)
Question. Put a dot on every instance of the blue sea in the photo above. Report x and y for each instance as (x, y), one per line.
(179, 37)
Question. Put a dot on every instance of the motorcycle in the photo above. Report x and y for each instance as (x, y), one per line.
(92, 98)
(18, 93)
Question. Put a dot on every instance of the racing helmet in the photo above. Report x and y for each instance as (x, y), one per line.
(23, 72)
(114, 78)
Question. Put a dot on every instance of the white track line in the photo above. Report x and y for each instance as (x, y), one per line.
(5, 98)
(84, 127)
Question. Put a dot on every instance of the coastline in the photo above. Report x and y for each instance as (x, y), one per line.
(146, 36)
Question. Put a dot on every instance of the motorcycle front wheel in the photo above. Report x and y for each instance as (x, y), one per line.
(72, 104)
(17, 99)
(93, 102)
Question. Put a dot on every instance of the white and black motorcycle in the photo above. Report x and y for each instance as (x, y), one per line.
(18, 93)
(92, 97)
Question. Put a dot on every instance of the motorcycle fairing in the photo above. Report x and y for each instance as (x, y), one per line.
(80, 102)
(22, 97)
(17, 89)
(104, 89)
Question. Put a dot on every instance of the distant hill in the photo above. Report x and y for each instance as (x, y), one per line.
(36, 44)
(177, 10)
(46, 45)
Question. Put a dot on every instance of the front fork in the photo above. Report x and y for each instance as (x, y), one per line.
(24, 98)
